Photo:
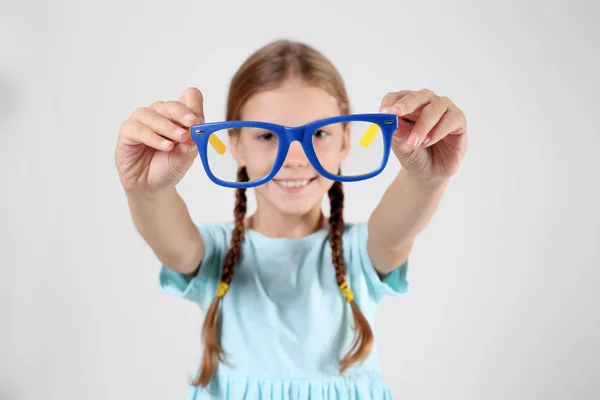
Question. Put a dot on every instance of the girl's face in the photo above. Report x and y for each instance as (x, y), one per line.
(297, 188)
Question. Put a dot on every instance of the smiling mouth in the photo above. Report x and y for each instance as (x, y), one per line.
(293, 183)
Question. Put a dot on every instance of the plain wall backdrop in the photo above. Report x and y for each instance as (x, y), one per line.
(503, 299)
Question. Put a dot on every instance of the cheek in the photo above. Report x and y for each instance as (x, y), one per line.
(260, 157)
(258, 164)
(331, 157)
(331, 164)
(257, 170)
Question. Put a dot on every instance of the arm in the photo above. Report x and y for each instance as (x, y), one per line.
(430, 150)
(165, 224)
(406, 207)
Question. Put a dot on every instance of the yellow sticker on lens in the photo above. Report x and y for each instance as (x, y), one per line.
(217, 144)
(369, 135)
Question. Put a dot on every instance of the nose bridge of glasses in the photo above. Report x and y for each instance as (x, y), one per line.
(294, 134)
(295, 151)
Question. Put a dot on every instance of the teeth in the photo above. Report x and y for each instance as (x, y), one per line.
(294, 184)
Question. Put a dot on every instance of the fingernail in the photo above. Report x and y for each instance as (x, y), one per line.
(192, 148)
(181, 134)
(426, 141)
(385, 110)
(190, 117)
(399, 139)
(413, 140)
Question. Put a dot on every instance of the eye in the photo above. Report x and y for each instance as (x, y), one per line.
(320, 134)
(266, 136)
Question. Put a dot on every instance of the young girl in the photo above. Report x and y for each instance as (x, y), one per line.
(289, 295)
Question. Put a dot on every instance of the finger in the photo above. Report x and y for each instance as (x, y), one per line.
(413, 102)
(428, 118)
(177, 112)
(162, 125)
(134, 132)
(183, 156)
(391, 98)
(193, 99)
(404, 129)
(450, 123)
(406, 154)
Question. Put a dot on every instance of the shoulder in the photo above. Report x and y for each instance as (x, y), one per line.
(202, 287)
(215, 232)
(223, 227)
(355, 234)
(362, 272)
(216, 237)
(355, 228)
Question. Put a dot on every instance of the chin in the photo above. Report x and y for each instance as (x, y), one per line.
(296, 209)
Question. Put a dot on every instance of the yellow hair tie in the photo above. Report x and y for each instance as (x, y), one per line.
(223, 286)
(347, 291)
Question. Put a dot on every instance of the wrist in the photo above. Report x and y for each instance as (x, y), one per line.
(150, 196)
(433, 184)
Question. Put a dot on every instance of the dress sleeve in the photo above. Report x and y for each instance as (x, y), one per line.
(202, 288)
(394, 284)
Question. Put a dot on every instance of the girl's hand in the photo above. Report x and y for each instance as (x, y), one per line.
(154, 149)
(431, 139)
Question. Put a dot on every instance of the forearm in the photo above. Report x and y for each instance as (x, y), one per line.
(405, 208)
(165, 224)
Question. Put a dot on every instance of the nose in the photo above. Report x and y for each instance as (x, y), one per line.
(295, 156)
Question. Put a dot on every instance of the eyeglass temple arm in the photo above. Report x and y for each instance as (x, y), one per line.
(216, 143)
(369, 135)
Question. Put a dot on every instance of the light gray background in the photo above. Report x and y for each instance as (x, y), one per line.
(503, 302)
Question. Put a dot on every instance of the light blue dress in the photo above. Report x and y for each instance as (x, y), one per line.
(285, 323)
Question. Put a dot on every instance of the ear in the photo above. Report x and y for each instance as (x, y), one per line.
(235, 143)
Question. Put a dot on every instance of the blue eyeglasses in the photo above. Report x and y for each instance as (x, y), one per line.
(358, 143)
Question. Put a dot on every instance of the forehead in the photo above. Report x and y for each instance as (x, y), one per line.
(292, 104)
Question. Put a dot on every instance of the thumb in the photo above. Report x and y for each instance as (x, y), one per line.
(411, 158)
(182, 157)
(192, 98)
(400, 147)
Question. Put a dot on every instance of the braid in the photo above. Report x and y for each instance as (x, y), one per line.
(336, 224)
(212, 350)
(363, 335)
